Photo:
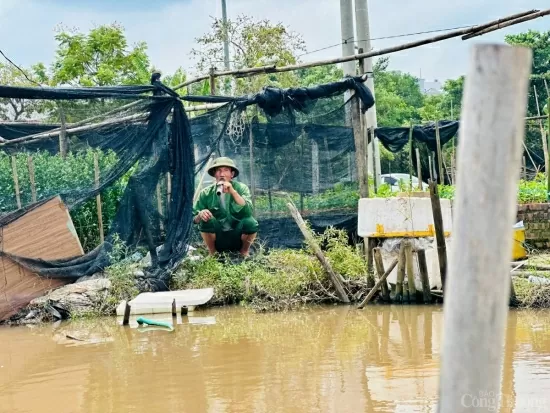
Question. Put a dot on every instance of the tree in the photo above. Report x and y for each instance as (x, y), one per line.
(99, 58)
(16, 109)
(252, 44)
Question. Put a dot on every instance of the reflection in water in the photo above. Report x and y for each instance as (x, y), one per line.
(329, 359)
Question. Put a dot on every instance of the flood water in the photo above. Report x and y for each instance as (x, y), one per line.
(329, 359)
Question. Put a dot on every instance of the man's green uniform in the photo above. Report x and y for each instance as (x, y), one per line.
(230, 220)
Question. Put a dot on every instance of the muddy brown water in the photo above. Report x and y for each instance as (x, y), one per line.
(328, 359)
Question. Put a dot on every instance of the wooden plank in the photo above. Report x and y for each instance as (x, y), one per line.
(336, 281)
(478, 290)
(45, 232)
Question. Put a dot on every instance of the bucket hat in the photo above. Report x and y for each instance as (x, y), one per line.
(223, 161)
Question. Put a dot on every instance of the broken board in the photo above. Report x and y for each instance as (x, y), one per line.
(161, 302)
(46, 232)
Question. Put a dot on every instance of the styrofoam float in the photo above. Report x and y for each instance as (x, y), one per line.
(161, 302)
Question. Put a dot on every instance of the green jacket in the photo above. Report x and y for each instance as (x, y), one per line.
(209, 200)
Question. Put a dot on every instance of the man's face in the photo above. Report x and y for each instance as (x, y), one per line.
(224, 173)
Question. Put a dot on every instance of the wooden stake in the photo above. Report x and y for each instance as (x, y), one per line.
(400, 274)
(419, 169)
(212, 81)
(411, 157)
(543, 137)
(370, 245)
(439, 155)
(32, 179)
(15, 181)
(423, 267)
(126, 319)
(476, 305)
(377, 285)
(439, 232)
(379, 262)
(98, 199)
(159, 205)
(336, 280)
(252, 175)
(360, 157)
(410, 271)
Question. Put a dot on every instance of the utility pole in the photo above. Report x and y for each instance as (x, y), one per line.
(225, 44)
(348, 37)
(363, 41)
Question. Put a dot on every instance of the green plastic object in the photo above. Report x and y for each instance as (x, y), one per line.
(142, 320)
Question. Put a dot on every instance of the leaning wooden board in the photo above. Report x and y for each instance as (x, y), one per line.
(46, 232)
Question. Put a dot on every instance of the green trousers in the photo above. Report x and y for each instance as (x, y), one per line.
(229, 240)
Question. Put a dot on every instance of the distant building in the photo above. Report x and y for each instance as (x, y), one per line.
(430, 88)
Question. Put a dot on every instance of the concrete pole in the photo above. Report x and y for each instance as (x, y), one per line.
(363, 42)
(348, 37)
(226, 40)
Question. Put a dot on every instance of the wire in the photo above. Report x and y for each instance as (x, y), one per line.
(18, 68)
(387, 37)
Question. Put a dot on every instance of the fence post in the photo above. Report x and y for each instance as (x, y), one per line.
(478, 286)
(98, 199)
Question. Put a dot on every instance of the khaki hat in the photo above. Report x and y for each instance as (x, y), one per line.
(223, 161)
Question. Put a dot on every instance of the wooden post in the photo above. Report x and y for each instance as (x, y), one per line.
(98, 199)
(63, 143)
(411, 158)
(377, 285)
(16, 181)
(543, 137)
(362, 170)
(32, 178)
(336, 280)
(423, 267)
(439, 232)
(400, 274)
(439, 155)
(410, 271)
(431, 167)
(370, 245)
(372, 141)
(419, 169)
(252, 176)
(492, 130)
(159, 205)
(168, 192)
(314, 168)
(212, 81)
(126, 318)
(379, 262)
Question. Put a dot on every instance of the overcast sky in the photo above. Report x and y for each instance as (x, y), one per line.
(170, 26)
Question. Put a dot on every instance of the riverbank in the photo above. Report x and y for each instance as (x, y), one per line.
(275, 280)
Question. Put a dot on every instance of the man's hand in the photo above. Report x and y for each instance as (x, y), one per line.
(227, 187)
(205, 215)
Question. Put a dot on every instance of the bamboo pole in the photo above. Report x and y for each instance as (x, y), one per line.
(168, 192)
(494, 105)
(63, 143)
(410, 271)
(212, 81)
(32, 179)
(252, 175)
(373, 142)
(199, 186)
(382, 279)
(15, 181)
(423, 267)
(430, 167)
(400, 274)
(547, 92)
(159, 206)
(439, 232)
(543, 137)
(411, 157)
(439, 155)
(379, 262)
(336, 280)
(419, 169)
(528, 16)
(455, 33)
(98, 199)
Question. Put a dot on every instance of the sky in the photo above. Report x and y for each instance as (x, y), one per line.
(170, 27)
